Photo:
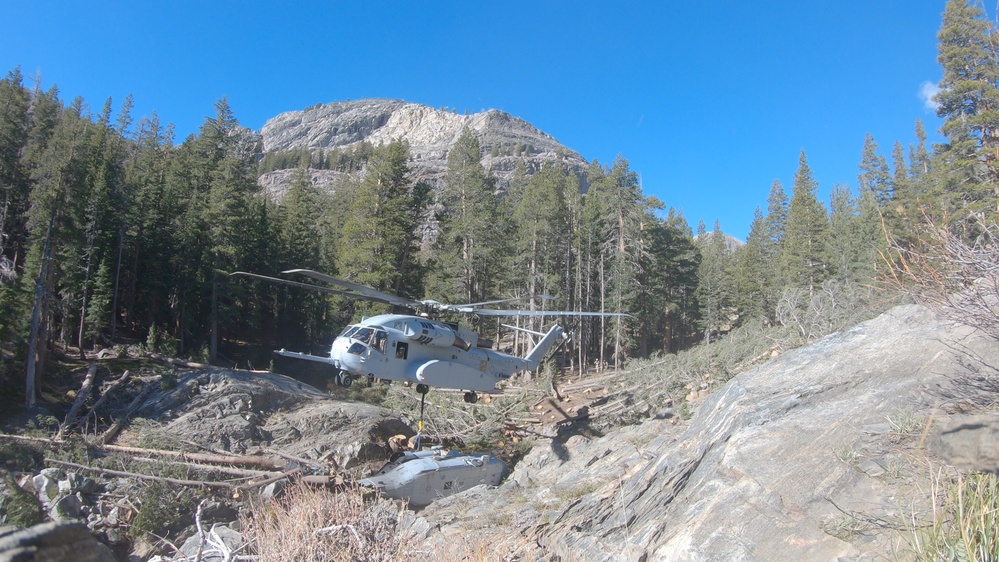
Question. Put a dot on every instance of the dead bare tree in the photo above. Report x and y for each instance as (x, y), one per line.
(957, 277)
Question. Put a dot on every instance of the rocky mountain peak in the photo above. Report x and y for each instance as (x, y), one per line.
(431, 132)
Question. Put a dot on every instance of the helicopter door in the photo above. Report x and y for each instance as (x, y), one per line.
(376, 354)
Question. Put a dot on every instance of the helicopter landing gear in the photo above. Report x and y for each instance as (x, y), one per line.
(343, 379)
(422, 389)
(471, 397)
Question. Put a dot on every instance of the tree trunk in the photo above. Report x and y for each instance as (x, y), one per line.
(117, 276)
(213, 342)
(36, 349)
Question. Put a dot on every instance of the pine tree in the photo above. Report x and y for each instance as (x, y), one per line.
(968, 102)
(542, 226)
(713, 281)
(589, 257)
(919, 156)
(843, 242)
(754, 271)
(14, 189)
(803, 256)
(465, 259)
(874, 174)
(149, 238)
(377, 246)
(623, 248)
(673, 277)
(58, 172)
(776, 229)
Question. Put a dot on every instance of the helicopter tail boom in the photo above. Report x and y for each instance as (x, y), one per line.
(538, 353)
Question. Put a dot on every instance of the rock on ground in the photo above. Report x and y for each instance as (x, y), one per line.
(53, 542)
(240, 411)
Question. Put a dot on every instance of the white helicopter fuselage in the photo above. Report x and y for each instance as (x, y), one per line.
(423, 351)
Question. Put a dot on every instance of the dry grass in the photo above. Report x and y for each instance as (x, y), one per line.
(320, 525)
(965, 526)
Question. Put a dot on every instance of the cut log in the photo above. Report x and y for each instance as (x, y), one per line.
(81, 399)
(117, 384)
(177, 362)
(112, 431)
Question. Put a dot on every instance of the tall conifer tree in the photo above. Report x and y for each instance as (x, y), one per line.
(968, 102)
(803, 256)
(466, 261)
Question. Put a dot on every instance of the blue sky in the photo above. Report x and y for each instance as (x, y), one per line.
(709, 101)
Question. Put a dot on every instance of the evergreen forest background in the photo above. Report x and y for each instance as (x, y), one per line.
(112, 230)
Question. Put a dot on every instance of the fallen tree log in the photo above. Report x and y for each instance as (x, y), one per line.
(240, 472)
(242, 460)
(81, 399)
(177, 362)
(112, 431)
(124, 474)
(177, 481)
(264, 463)
(121, 380)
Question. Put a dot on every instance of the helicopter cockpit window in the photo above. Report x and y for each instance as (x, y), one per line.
(348, 331)
(356, 348)
(363, 335)
(379, 340)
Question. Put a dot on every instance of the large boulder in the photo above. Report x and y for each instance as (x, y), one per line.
(53, 542)
(242, 412)
(802, 458)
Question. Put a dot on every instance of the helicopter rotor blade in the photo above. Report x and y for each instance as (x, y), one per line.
(360, 291)
(514, 312)
(476, 305)
(308, 286)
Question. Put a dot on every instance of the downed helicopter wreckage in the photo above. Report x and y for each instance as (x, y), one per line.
(424, 476)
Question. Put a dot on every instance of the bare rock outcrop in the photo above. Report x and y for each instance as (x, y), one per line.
(430, 132)
(807, 457)
(242, 411)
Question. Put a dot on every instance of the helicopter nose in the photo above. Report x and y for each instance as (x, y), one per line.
(342, 359)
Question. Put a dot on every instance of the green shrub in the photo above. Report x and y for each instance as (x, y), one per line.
(18, 507)
(20, 456)
(163, 508)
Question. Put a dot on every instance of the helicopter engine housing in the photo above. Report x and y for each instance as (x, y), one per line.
(428, 333)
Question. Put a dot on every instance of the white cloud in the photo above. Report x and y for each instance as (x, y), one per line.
(927, 91)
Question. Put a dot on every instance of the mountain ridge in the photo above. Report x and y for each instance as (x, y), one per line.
(504, 138)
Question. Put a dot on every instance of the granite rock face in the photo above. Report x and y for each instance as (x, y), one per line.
(430, 132)
(801, 458)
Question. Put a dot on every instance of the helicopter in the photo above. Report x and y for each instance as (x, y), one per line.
(418, 348)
